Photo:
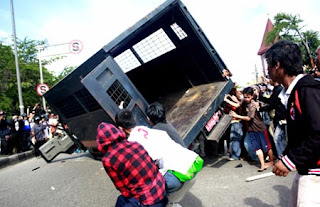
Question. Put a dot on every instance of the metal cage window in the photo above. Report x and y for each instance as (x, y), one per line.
(127, 61)
(118, 94)
(181, 34)
(154, 45)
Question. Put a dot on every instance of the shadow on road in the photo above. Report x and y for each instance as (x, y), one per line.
(72, 157)
(284, 194)
(215, 162)
(190, 200)
(256, 202)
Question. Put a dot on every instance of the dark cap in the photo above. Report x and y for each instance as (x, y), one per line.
(36, 118)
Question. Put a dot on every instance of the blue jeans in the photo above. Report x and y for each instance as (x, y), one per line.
(249, 148)
(280, 139)
(132, 202)
(236, 134)
(172, 183)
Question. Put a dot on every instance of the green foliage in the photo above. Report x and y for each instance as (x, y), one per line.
(313, 41)
(27, 51)
(29, 74)
(66, 71)
(288, 27)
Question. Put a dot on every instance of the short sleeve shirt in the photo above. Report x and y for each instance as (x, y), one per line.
(256, 123)
(38, 131)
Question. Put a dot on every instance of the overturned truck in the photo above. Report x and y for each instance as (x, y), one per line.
(165, 57)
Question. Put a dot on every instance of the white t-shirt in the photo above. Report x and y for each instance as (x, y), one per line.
(162, 148)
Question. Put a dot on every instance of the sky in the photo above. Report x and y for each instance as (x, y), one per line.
(234, 28)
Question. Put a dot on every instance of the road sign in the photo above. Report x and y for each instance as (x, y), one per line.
(42, 88)
(75, 46)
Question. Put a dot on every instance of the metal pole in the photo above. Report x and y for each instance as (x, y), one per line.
(256, 71)
(41, 76)
(263, 66)
(21, 107)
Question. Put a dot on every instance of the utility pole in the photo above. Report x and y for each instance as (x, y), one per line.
(263, 66)
(256, 72)
(21, 107)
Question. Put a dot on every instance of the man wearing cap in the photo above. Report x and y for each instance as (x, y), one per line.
(131, 169)
(301, 97)
(16, 133)
(38, 134)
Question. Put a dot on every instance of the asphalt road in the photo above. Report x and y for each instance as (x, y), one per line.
(79, 180)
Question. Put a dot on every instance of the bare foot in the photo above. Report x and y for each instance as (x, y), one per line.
(269, 164)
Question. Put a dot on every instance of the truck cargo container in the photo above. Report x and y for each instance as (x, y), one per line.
(164, 57)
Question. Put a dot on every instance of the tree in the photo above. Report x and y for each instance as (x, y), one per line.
(66, 71)
(288, 27)
(6, 62)
(29, 73)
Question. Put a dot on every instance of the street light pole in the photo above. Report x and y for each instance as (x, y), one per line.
(39, 47)
(256, 72)
(21, 107)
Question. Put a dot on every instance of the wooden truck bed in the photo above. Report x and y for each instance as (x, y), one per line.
(185, 108)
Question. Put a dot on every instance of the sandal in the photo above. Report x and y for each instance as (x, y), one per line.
(261, 170)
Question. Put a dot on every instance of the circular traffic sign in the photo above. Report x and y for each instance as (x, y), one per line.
(75, 46)
(42, 88)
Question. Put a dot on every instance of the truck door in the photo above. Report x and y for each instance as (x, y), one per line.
(57, 145)
(113, 90)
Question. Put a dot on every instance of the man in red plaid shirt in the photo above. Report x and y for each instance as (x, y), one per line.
(131, 169)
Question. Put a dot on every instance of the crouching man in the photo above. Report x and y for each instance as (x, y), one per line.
(131, 169)
(176, 163)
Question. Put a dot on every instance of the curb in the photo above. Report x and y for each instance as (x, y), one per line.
(13, 159)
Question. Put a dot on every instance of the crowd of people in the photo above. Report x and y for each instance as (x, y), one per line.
(279, 118)
(258, 124)
(258, 131)
(275, 121)
(32, 128)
